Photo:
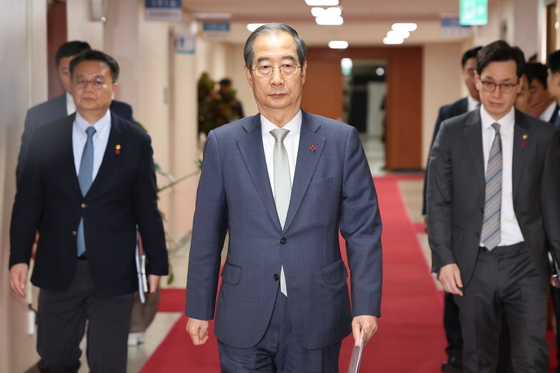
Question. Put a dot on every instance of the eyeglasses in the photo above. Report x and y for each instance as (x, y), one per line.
(491, 86)
(266, 71)
(96, 84)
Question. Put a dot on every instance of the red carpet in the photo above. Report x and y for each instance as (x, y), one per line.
(410, 336)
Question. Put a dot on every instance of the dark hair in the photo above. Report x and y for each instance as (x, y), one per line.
(69, 49)
(225, 81)
(536, 70)
(554, 62)
(471, 53)
(500, 51)
(94, 55)
(273, 28)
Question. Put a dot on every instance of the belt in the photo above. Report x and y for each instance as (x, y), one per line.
(83, 257)
(517, 246)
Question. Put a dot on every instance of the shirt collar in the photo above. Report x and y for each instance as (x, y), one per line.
(294, 125)
(548, 112)
(70, 105)
(99, 126)
(487, 120)
(471, 103)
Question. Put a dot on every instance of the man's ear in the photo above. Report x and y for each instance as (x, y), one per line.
(248, 75)
(477, 81)
(114, 90)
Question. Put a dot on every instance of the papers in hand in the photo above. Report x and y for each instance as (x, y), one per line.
(356, 357)
(142, 278)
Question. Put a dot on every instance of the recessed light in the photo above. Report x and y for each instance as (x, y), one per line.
(212, 15)
(338, 44)
(321, 2)
(388, 40)
(329, 12)
(398, 34)
(253, 26)
(404, 26)
(329, 21)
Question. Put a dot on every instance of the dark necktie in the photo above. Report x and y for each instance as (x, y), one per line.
(85, 177)
(491, 230)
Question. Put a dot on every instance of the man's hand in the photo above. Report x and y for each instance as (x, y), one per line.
(198, 330)
(18, 278)
(153, 283)
(366, 323)
(450, 278)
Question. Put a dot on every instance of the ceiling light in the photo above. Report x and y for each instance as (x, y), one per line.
(321, 2)
(329, 12)
(338, 44)
(329, 21)
(212, 15)
(253, 26)
(404, 26)
(398, 34)
(388, 40)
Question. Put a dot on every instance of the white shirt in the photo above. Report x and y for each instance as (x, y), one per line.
(70, 105)
(510, 231)
(547, 113)
(100, 139)
(291, 142)
(472, 103)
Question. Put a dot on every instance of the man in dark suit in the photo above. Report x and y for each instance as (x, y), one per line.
(283, 302)
(541, 104)
(451, 322)
(87, 186)
(553, 82)
(493, 213)
(60, 106)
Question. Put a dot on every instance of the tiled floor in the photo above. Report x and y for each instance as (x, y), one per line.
(137, 355)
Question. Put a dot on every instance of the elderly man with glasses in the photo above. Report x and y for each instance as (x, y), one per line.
(493, 215)
(283, 184)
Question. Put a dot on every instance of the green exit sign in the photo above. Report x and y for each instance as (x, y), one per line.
(473, 12)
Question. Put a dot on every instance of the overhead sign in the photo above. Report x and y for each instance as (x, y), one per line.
(163, 10)
(451, 28)
(473, 12)
(216, 30)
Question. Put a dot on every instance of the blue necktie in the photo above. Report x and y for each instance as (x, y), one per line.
(85, 177)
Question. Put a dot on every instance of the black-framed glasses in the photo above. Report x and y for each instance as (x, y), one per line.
(490, 86)
(266, 71)
(95, 84)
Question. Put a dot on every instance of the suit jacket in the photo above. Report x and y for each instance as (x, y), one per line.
(122, 196)
(456, 191)
(445, 112)
(50, 111)
(332, 188)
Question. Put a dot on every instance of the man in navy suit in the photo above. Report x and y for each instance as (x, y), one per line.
(60, 106)
(87, 187)
(541, 104)
(283, 303)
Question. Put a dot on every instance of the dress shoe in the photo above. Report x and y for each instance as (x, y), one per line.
(454, 364)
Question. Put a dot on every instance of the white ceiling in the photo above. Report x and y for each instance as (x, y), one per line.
(366, 22)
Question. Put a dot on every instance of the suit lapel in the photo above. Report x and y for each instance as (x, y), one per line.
(116, 137)
(306, 163)
(521, 143)
(473, 134)
(67, 144)
(251, 147)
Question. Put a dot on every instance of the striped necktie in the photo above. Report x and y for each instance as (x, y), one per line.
(491, 231)
(85, 178)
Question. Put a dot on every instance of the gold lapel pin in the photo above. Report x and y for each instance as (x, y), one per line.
(525, 137)
(117, 149)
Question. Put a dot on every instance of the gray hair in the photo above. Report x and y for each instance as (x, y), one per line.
(273, 28)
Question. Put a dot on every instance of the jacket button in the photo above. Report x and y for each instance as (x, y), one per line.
(74, 233)
(276, 277)
(283, 241)
(84, 205)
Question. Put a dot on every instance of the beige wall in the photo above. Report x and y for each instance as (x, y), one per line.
(442, 85)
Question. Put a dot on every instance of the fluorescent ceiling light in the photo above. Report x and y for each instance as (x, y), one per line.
(329, 12)
(253, 26)
(398, 34)
(212, 15)
(388, 40)
(329, 21)
(338, 44)
(404, 26)
(321, 2)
